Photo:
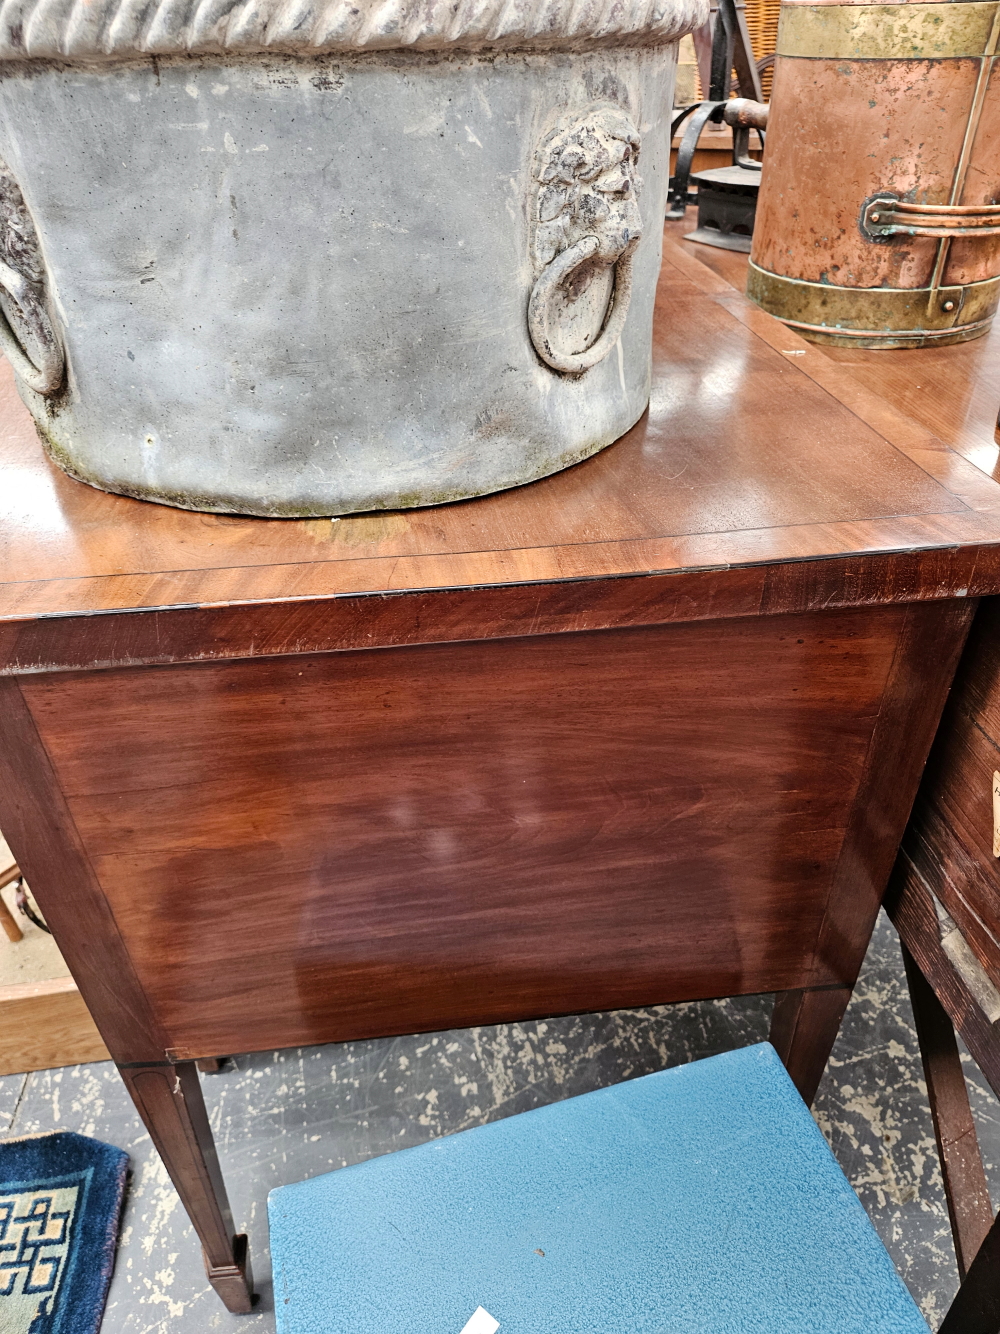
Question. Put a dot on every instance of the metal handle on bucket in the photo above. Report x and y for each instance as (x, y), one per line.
(554, 276)
(885, 215)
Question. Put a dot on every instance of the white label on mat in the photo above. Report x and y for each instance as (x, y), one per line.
(481, 1322)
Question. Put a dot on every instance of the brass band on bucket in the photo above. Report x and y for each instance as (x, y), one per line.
(876, 316)
(886, 32)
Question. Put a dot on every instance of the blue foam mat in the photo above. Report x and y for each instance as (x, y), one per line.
(700, 1200)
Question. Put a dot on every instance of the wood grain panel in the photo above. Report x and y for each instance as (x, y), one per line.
(953, 392)
(45, 1024)
(307, 849)
(39, 828)
(563, 606)
(930, 643)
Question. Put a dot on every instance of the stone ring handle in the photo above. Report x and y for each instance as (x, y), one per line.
(47, 377)
(554, 275)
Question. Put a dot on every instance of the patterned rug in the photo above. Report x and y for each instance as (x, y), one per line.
(60, 1206)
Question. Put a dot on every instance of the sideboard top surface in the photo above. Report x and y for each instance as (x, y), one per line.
(758, 451)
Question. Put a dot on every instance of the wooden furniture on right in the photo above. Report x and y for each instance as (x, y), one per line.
(945, 903)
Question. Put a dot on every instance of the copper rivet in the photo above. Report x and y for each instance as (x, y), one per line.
(875, 217)
(948, 305)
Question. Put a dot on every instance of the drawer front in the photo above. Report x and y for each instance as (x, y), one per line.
(956, 821)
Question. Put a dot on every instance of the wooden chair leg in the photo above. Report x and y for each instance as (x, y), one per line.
(804, 1027)
(170, 1102)
(965, 1187)
(10, 926)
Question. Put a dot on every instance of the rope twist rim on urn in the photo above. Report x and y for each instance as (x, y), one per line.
(103, 30)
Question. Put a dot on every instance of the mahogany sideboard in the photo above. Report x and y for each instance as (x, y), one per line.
(646, 731)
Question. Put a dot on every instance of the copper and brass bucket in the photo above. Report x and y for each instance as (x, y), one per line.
(878, 221)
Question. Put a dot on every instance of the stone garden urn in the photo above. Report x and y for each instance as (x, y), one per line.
(311, 257)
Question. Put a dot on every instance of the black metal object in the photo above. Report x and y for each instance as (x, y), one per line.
(730, 49)
(727, 205)
(701, 113)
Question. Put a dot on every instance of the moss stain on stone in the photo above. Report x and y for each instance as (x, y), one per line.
(389, 502)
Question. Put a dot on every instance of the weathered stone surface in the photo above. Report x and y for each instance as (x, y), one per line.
(289, 285)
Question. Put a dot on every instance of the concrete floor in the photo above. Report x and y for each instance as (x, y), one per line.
(283, 1116)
